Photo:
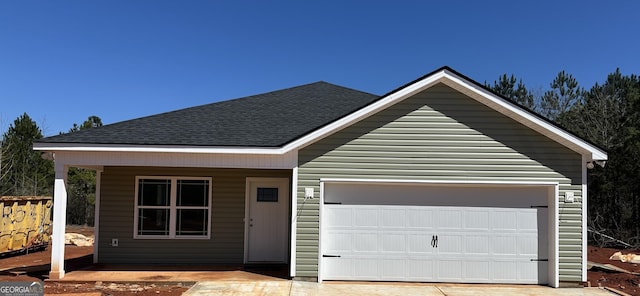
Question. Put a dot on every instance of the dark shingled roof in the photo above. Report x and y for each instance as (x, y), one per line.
(267, 120)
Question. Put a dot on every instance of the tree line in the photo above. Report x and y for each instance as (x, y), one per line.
(606, 114)
(23, 172)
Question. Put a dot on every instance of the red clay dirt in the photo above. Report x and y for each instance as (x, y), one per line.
(624, 282)
(35, 266)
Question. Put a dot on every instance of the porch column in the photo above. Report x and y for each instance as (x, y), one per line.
(59, 221)
(96, 216)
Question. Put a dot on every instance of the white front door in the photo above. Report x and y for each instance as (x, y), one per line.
(267, 217)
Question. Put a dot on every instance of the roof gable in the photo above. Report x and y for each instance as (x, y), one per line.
(286, 120)
(475, 91)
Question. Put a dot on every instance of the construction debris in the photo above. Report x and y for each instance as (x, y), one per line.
(78, 240)
(608, 268)
(631, 258)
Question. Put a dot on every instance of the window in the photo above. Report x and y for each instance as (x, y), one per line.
(267, 194)
(172, 207)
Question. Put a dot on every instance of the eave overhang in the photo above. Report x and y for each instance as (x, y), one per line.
(73, 147)
(445, 75)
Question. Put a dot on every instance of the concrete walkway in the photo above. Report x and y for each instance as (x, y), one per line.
(234, 288)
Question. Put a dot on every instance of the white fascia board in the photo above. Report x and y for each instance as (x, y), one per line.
(509, 109)
(158, 148)
(365, 112)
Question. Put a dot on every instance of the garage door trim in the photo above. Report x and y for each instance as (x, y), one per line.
(552, 202)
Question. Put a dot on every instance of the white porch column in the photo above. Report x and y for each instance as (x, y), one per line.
(59, 221)
(96, 216)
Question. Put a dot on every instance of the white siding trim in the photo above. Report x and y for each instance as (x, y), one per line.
(438, 182)
(294, 222)
(584, 219)
(96, 217)
(320, 230)
(247, 200)
(82, 147)
(554, 279)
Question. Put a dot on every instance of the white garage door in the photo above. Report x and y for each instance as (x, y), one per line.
(434, 233)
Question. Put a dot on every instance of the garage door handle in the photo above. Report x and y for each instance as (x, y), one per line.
(330, 256)
(434, 241)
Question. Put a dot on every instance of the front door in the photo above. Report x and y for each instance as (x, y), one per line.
(267, 217)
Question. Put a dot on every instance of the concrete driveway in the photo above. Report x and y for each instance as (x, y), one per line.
(401, 289)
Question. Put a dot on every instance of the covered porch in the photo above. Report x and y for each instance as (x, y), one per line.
(118, 240)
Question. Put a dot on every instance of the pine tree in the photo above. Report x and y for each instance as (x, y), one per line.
(609, 115)
(564, 94)
(81, 185)
(513, 89)
(24, 172)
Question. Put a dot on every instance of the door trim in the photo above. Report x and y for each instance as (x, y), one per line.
(247, 211)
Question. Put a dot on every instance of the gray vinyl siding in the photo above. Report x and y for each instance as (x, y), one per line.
(440, 134)
(226, 245)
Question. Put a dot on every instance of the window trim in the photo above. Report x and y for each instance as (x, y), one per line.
(173, 208)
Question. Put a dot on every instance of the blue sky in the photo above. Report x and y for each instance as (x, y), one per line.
(62, 61)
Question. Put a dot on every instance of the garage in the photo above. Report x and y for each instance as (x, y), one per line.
(466, 233)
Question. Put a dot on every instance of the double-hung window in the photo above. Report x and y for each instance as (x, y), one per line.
(172, 207)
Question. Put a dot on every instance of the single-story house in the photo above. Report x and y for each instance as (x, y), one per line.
(440, 180)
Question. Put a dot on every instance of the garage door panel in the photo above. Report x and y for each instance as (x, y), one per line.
(527, 220)
(505, 271)
(528, 271)
(504, 245)
(450, 244)
(476, 245)
(420, 269)
(366, 242)
(528, 246)
(366, 268)
(393, 218)
(394, 242)
(393, 269)
(450, 270)
(477, 220)
(420, 218)
(476, 271)
(340, 242)
(365, 218)
(337, 268)
(419, 244)
(503, 220)
(338, 217)
(449, 218)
